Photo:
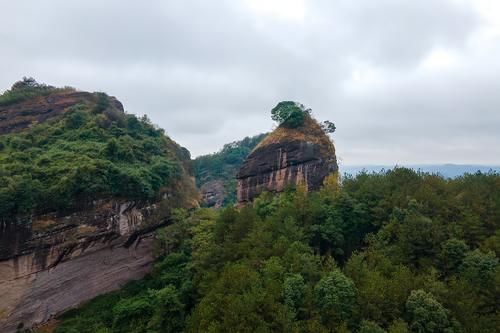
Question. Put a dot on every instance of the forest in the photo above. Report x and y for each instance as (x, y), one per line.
(91, 152)
(396, 251)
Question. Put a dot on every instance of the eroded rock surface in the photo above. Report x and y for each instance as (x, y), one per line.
(62, 261)
(304, 155)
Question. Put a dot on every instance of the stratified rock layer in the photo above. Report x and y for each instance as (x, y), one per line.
(286, 157)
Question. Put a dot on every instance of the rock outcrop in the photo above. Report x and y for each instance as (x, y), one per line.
(62, 261)
(288, 156)
(54, 261)
(213, 194)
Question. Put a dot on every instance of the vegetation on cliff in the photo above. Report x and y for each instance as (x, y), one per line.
(292, 115)
(93, 151)
(397, 251)
(27, 88)
(310, 130)
(224, 165)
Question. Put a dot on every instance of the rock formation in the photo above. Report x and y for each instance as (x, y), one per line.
(288, 156)
(55, 261)
(212, 193)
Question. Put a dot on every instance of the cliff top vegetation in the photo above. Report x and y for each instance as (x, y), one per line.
(92, 151)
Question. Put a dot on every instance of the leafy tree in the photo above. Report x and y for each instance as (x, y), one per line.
(426, 315)
(452, 254)
(370, 327)
(26, 88)
(479, 268)
(294, 292)
(169, 311)
(335, 297)
(328, 126)
(288, 113)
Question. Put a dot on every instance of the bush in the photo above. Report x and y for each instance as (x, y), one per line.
(24, 89)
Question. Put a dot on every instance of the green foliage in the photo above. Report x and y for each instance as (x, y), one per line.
(335, 297)
(452, 254)
(67, 163)
(224, 165)
(370, 327)
(377, 253)
(426, 315)
(25, 89)
(158, 303)
(289, 114)
(294, 292)
(328, 126)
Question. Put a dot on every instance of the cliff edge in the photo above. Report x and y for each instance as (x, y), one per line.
(286, 157)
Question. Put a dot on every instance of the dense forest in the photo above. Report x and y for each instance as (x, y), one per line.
(396, 251)
(224, 165)
(93, 151)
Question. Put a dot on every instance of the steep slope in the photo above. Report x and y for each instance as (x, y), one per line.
(288, 156)
(82, 187)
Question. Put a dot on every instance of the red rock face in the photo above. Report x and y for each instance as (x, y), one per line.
(58, 262)
(20, 115)
(275, 166)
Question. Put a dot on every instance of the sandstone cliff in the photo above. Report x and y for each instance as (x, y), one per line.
(288, 156)
(53, 261)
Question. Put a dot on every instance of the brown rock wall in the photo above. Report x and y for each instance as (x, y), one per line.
(275, 166)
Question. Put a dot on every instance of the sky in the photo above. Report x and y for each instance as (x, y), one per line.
(404, 81)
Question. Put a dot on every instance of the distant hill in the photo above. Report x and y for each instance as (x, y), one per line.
(445, 170)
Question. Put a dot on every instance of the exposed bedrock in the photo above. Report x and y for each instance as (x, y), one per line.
(287, 157)
(64, 261)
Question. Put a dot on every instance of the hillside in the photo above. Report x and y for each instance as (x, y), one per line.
(83, 187)
(64, 149)
(216, 173)
(394, 252)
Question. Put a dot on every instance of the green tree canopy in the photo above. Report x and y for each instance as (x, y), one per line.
(288, 113)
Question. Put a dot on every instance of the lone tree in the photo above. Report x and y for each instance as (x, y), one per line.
(289, 114)
(328, 126)
(292, 114)
(28, 83)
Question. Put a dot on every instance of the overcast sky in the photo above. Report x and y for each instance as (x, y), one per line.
(404, 81)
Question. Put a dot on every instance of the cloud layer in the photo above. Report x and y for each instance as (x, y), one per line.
(404, 81)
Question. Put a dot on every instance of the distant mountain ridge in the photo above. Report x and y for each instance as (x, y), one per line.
(445, 170)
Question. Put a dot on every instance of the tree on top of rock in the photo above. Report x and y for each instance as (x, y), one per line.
(289, 114)
(292, 114)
